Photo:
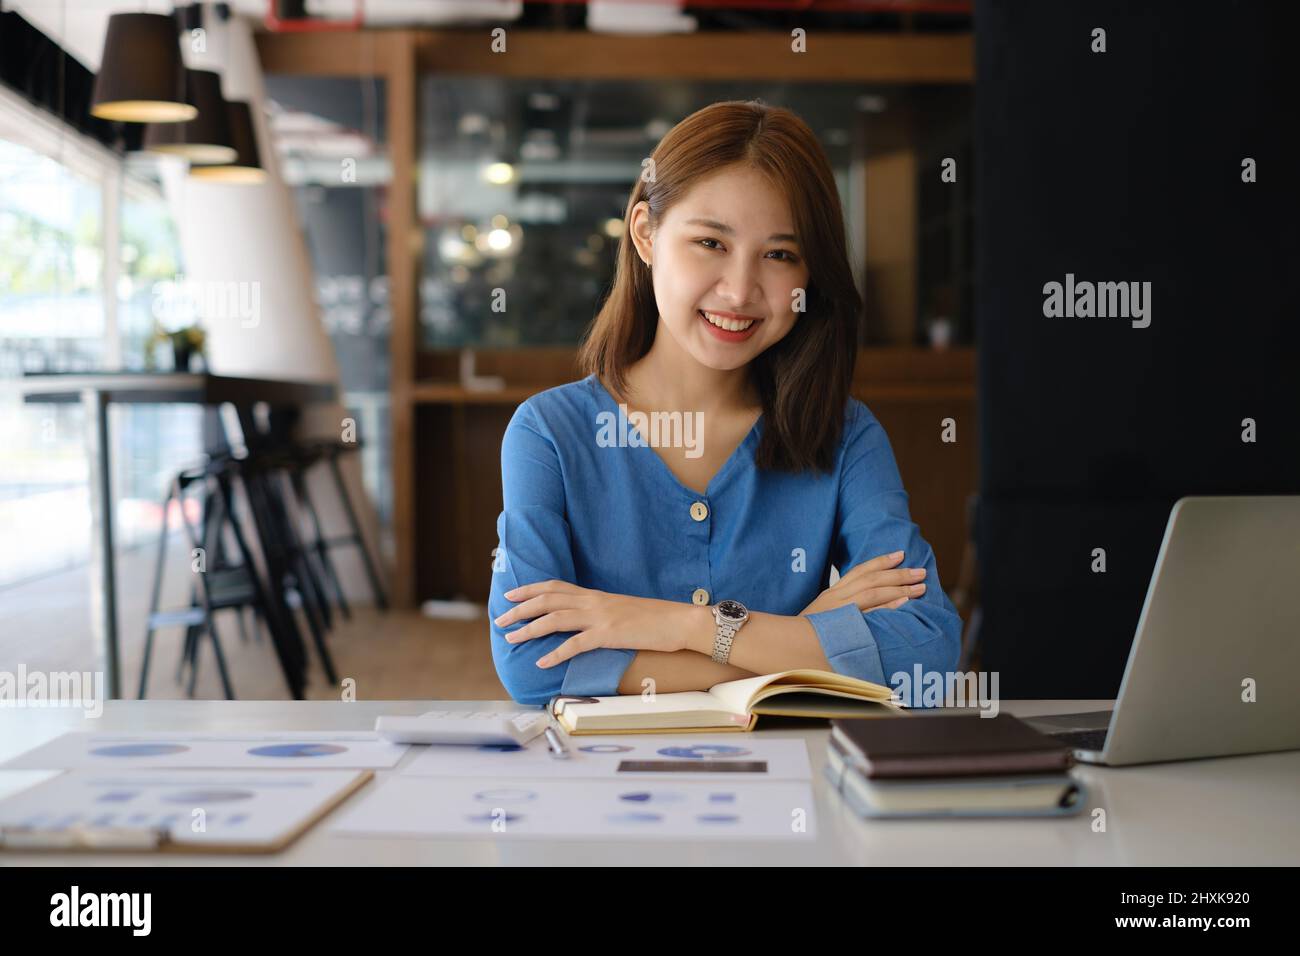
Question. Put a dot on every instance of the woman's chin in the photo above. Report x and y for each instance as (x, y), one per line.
(720, 360)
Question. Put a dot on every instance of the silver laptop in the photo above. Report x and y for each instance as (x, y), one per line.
(1215, 662)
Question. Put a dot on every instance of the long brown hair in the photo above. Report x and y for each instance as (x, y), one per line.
(804, 379)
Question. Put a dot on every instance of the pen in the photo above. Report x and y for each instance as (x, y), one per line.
(558, 750)
(83, 837)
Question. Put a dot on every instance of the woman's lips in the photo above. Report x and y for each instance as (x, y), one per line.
(724, 334)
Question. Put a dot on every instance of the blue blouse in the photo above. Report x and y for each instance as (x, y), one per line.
(617, 519)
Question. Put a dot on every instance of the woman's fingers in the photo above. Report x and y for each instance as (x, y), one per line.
(851, 590)
(880, 579)
(573, 646)
(567, 620)
(892, 605)
(532, 599)
(879, 596)
(533, 607)
(866, 599)
(525, 591)
(856, 586)
(900, 577)
(879, 563)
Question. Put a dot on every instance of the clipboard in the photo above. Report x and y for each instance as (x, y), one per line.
(157, 839)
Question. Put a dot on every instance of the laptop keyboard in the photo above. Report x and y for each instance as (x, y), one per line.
(1082, 739)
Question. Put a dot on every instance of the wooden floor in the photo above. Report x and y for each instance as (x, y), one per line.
(45, 625)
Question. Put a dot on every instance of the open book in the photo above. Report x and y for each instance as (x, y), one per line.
(731, 705)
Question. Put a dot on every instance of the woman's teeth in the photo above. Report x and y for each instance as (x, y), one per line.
(731, 325)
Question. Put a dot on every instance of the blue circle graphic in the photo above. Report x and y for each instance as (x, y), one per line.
(139, 750)
(704, 751)
(647, 796)
(635, 816)
(298, 750)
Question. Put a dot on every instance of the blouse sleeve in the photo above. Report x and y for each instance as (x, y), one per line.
(534, 544)
(873, 519)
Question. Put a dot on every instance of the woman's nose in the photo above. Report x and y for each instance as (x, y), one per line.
(737, 285)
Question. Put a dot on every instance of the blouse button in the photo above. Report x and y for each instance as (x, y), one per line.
(699, 511)
(700, 596)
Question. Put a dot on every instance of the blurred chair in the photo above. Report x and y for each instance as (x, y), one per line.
(219, 584)
(306, 456)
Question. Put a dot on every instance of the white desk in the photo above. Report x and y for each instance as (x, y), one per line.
(1226, 811)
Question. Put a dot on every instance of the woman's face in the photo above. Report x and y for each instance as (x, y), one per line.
(726, 250)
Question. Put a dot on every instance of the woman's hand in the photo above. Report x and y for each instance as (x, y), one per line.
(599, 618)
(872, 585)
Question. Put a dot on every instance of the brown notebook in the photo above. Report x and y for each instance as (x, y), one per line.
(947, 745)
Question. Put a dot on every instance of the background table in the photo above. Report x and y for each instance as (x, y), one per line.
(1224, 811)
(96, 392)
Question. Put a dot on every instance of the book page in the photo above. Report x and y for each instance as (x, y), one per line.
(627, 705)
(740, 695)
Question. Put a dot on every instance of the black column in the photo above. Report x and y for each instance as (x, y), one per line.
(1124, 166)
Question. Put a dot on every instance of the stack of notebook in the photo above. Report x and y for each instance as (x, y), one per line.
(941, 765)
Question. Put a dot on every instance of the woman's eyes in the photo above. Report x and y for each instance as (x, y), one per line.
(788, 256)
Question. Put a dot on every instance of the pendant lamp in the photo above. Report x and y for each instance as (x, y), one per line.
(140, 72)
(247, 166)
(204, 139)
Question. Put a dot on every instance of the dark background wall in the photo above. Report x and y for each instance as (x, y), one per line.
(1124, 166)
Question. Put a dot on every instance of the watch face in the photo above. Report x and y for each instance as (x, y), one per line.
(732, 610)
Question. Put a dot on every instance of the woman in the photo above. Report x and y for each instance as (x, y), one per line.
(670, 559)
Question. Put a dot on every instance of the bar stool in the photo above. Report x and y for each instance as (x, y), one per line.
(220, 584)
(264, 474)
(306, 456)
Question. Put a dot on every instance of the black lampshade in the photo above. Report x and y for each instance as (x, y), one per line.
(139, 79)
(247, 166)
(204, 139)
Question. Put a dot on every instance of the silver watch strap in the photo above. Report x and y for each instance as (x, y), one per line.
(722, 641)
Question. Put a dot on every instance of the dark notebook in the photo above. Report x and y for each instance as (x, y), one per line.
(944, 745)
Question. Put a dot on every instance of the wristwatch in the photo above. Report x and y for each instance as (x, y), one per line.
(730, 617)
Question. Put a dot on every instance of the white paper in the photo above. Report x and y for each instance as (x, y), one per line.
(195, 806)
(678, 756)
(297, 750)
(496, 808)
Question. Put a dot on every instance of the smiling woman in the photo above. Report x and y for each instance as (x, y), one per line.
(624, 566)
(737, 215)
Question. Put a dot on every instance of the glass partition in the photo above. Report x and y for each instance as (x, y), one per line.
(332, 138)
(522, 186)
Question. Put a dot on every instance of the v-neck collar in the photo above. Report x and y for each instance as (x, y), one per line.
(603, 396)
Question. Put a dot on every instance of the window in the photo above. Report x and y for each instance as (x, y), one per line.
(60, 196)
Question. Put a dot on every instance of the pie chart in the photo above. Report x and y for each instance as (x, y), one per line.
(298, 750)
(647, 796)
(704, 751)
(139, 750)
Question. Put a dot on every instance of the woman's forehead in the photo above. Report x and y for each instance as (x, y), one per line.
(730, 210)
(735, 185)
